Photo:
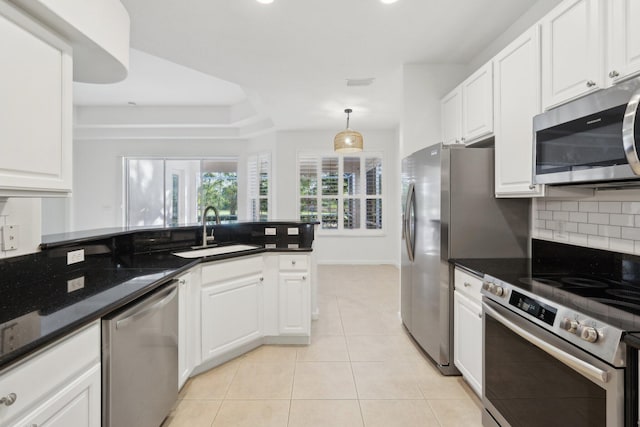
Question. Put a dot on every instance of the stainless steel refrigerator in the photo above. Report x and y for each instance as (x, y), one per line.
(449, 212)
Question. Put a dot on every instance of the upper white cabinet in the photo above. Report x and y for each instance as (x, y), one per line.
(35, 108)
(517, 100)
(624, 39)
(467, 111)
(477, 104)
(573, 41)
(451, 116)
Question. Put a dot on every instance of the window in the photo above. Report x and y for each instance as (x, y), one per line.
(342, 192)
(258, 193)
(169, 192)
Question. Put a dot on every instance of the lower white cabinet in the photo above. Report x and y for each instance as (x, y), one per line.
(49, 390)
(231, 308)
(188, 324)
(467, 329)
(77, 404)
(294, 295)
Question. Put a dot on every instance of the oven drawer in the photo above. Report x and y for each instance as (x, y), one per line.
(527, 369)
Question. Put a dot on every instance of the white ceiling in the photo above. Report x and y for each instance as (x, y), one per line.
(291, 59)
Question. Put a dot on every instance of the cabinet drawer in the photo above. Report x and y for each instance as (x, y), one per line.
(225, 270)
(45, 373)
(294, 262)
(468, 284)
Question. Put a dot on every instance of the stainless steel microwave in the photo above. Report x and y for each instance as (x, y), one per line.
(594, 139)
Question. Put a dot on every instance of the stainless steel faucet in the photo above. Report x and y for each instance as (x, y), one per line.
(206, 238)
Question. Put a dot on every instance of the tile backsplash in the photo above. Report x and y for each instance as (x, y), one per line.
(602, 224)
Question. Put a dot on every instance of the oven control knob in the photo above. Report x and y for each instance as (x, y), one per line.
(498, 291)
(588, 333)
(569, 325)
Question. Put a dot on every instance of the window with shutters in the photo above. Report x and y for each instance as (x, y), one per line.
(259, 191)
(342, 192)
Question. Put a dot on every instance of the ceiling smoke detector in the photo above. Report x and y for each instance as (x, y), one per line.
(360, 82)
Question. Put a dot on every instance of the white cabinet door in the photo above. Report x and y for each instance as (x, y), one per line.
(572, 51)
(294, 304)
(186, 326)
(78, 404)
(624, 39)
(231, 315)
(516, 100)
(451, 111)
(477, 104)
(35, 108)
(467, 335)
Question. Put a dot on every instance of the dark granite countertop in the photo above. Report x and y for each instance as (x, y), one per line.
(43, 299)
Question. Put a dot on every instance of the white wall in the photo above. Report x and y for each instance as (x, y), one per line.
(98, 187)
(340, 249)
(423, 85)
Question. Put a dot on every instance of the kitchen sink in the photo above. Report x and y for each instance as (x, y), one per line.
(218, 250)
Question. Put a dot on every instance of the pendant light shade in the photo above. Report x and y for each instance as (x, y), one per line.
(348, 141)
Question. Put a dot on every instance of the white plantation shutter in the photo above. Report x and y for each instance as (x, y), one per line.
(343, 193)
(259, 186)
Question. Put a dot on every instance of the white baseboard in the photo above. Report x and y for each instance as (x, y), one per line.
(358, 262)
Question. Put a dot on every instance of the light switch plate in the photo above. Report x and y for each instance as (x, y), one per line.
(10, 237)
(293, 231)
(269, 231)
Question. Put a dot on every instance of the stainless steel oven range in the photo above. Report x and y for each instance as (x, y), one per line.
(546, 361)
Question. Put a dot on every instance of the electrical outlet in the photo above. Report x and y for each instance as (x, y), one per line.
(9, 237)
(75, 284)
(74, 257)
(292, 231)
(269, 231)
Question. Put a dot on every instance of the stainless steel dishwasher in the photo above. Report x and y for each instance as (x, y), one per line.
(140, 361)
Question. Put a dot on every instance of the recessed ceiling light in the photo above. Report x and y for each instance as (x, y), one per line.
(388, 1)
(265, 1)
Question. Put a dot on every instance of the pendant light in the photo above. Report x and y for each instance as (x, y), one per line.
(348, 141)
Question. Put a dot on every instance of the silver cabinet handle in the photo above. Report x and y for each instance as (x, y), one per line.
(466, 284)
(591, 83)
(293, 262)
(182, 281)
(262, 279)
(304, 277)
(628, 128)
(532, 187)
(613, 74)
(9, 399)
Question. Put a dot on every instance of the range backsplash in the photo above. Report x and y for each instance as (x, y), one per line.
(603, 224)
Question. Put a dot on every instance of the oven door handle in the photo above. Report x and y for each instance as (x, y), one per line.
(628, 128)
(595, 374)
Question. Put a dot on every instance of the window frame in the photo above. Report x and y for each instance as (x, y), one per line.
(254, 170)
(341, 196)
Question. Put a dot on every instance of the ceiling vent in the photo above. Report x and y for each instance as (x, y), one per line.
(360, 82)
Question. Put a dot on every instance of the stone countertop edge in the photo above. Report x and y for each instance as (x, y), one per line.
(9, 360)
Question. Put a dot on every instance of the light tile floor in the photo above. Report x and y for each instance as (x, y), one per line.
(361, 369)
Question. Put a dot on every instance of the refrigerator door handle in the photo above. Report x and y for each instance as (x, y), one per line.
(410, 217)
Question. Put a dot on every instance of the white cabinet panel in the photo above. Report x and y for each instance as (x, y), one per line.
(517, 100)
(451, 111)
(624, 39)
(572, 51)
(231, 315)
(78, 404)
(188, 325)
(295, 304)
(467, 335)
(35, 108)
(477, 104)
